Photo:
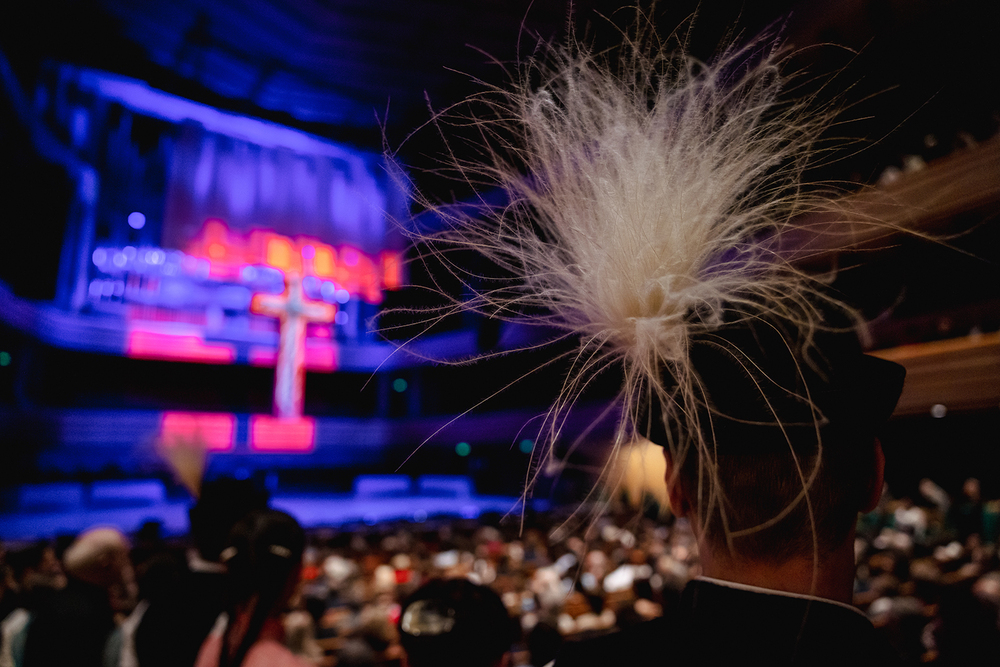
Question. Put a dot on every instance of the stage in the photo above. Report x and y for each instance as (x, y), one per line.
(46, 511)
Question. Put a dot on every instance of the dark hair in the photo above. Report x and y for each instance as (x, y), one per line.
(787, 422)
(762, 512)
(222, 503)
(263, 556)
(454, 623)
(28, 557)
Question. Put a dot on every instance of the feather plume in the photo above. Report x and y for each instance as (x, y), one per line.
(644, 199)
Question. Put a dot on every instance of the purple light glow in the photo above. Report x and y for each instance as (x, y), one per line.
(136, 220)
(140, 97)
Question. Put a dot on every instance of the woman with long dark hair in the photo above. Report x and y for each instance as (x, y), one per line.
(263, 559)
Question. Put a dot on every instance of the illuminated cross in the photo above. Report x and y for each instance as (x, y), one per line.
(293, 311)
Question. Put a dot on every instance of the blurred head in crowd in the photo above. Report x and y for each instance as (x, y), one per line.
(263, 557)
(100, 556)
(220, 505)
(453, 623)
(35, 565)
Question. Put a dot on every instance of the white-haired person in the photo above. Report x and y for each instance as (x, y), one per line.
(72, 625)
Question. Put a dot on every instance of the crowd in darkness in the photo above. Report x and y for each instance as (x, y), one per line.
(928, 577)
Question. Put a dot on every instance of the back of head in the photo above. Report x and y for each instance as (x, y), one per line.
(220, 505)
(653, 202)
(779, 451)
(454, 622)
(35, 565)
(263, 558)
(264, 549)
(99, 556)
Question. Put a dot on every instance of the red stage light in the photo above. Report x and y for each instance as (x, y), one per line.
(392, 273)
(273, 434)
(229, 253)
(153, 345)
(214, 430)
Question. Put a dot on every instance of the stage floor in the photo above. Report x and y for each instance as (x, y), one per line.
(313, 510)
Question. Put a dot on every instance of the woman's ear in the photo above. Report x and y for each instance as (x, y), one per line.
(878, 479)
(679, 505)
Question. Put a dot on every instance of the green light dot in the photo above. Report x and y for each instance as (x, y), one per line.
(4, 358)
(399, 385)
(463, 449)
(526, 446)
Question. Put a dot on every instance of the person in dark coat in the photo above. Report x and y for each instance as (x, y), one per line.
(775, 519)
(180, 616)
(71, 626)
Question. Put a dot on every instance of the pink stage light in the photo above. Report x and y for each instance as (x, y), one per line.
(155, 345)
(214, 430)
(273, 434)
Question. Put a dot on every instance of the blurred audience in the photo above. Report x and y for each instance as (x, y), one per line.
(72, 625)
(928, 576)
(30, 575)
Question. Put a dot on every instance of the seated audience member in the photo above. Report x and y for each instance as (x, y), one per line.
(455, 623)
(180, 616)
(773, 501)
(264, 559)
(372, 642)
(72, 626)
(34, 574)
(158, 579)
(543, 642)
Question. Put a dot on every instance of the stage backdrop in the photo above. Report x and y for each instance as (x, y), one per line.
(184, 211)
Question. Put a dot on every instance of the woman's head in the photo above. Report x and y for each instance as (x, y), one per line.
(263, 553)
(263, 559)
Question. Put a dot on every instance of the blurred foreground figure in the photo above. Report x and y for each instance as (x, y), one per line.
(455, 623)
(264, 559)
(183, 609)
(651, 212)
(71, 626)
(35, 575)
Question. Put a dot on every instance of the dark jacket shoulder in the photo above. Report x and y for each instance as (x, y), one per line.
(719, 624)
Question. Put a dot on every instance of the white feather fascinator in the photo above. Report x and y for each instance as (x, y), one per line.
(646, 201)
